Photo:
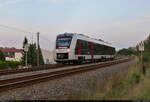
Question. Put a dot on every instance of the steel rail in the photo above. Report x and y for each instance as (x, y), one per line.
(13, 83)
(16, 71)
(47, 67)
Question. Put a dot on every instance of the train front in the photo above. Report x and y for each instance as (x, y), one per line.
(63, 48)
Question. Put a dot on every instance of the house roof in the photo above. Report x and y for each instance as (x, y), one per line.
(11, 50)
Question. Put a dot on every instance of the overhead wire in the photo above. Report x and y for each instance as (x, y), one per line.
(1, 43)
(16, 29)
(42, 36)
(23, 31)
(45, 39)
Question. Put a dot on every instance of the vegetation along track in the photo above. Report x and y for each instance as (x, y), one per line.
(13, 83)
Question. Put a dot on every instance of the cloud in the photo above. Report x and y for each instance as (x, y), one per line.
(125, 33)
(8, 2)
(57, 0)
(121, 32)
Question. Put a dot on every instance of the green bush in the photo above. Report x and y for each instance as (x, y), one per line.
(3, 65)
(13, 64)
(146, 57)
(6, 64)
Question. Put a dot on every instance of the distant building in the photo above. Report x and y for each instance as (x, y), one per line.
(16, 55)
(48, 57)
(12, 54)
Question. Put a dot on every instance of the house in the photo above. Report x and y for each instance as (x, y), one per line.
(12, 54)
(48, 57)
(16, 55)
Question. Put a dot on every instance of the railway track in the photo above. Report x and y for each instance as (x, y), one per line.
(48, 67)
(16, 71)
(18, 82)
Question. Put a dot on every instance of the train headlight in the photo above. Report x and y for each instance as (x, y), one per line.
(62, 55)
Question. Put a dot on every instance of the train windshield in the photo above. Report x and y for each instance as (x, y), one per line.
(63, 42)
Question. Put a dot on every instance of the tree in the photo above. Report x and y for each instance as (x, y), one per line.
(25, 41)
(147, 44)
(41, 57)
(23, 59)
(127, 52)
(2, 57)
(32, 54)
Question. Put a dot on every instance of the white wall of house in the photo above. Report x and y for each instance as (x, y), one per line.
(48, 57)
(17, 57)
(9, 59)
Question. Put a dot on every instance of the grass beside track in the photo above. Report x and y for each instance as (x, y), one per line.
(129, 85)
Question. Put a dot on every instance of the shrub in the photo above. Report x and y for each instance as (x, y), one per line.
(13, 64)
(146, 57)
(3, 65)
(2, 58)
(6, 64)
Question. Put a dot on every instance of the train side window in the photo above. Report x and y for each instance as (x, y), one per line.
(77, 47)
(88, 47)
(96, 49)
(100, 49)
(82, 46)
(104, 50)
(85, 47)
(108, 50)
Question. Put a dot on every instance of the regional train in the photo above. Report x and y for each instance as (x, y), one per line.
(78, 48)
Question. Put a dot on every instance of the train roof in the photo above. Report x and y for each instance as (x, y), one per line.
(87, 38)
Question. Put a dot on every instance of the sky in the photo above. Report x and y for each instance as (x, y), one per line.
(123, 23)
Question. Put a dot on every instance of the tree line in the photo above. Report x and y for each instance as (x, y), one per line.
(135, 50)
(31, 54)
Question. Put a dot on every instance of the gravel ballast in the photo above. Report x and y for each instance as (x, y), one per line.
(80, 83)
(5, 77)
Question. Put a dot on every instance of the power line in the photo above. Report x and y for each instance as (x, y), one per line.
(10, 43)
(16, 29)
(45, 38)
(1, 43)
(23, 31)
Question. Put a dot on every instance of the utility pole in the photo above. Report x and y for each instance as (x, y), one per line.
(141, 49)
(26, 53)
(26, 59)
(38, 55)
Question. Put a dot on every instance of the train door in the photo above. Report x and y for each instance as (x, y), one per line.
(79, 49)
